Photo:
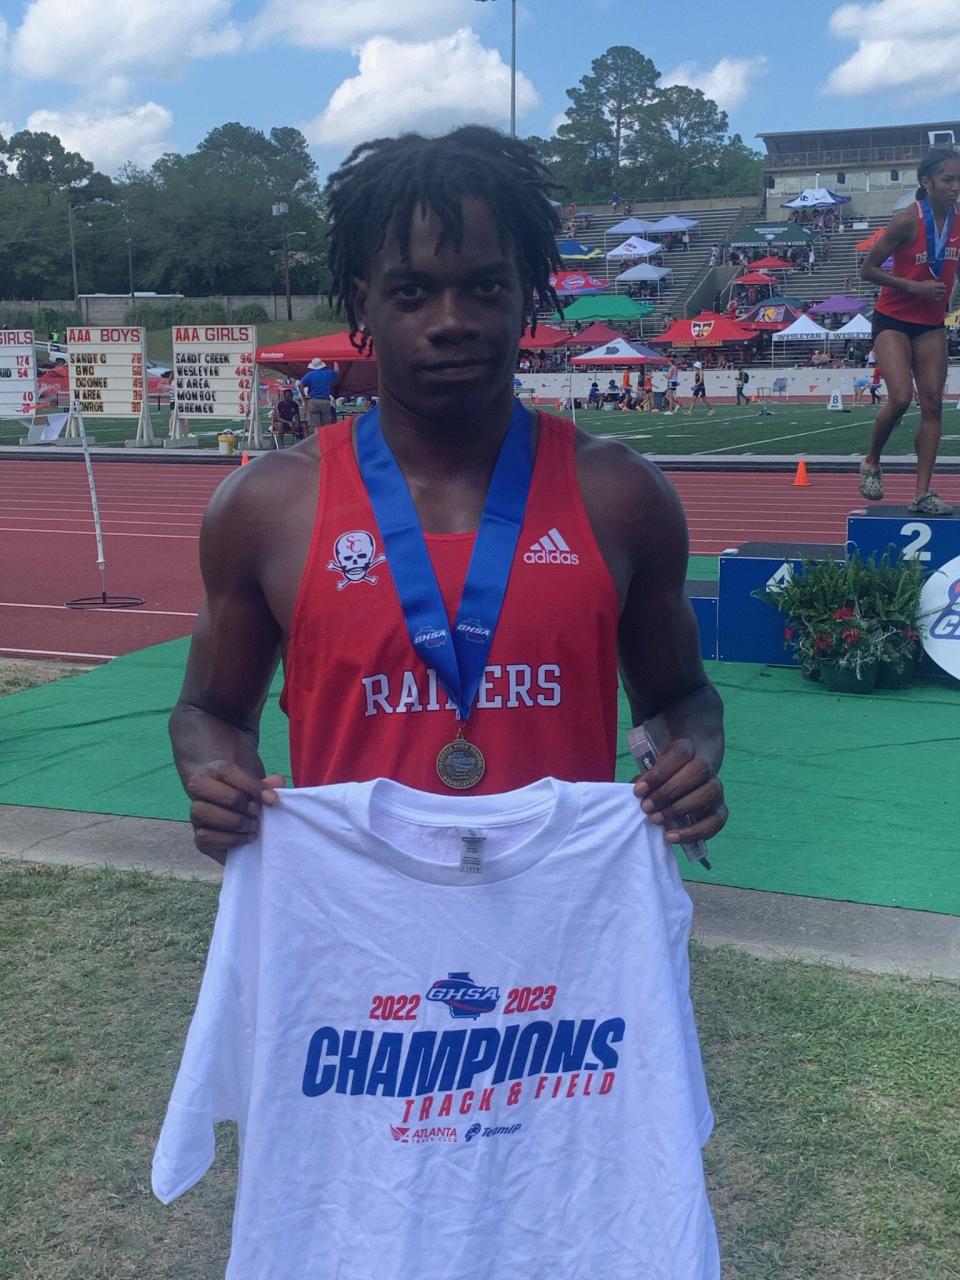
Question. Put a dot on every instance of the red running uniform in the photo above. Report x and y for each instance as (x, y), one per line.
(910, 263)
(363, 705)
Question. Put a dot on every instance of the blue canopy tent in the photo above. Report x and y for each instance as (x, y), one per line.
(673, 222)
(574, 251)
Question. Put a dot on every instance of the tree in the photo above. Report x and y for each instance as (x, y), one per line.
(41, 157)
(604, 111)
(679, 135)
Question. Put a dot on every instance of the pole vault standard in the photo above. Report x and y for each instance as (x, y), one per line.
(102, 601)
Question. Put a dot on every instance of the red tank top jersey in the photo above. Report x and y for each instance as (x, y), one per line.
(362, 704)
(910, 263)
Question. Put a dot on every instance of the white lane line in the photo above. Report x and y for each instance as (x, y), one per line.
(133, 612)
(59, 653)
(189, 537)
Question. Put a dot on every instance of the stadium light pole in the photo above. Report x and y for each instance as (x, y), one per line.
(513, 66)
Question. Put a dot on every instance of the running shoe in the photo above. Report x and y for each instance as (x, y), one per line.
(871, 483)
(929, 504)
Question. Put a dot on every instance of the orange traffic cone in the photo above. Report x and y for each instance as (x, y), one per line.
(800, 479)
(245, 458)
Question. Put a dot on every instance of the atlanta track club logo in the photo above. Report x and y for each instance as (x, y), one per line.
(354, 555)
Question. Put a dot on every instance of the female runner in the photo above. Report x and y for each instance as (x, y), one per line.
(908, 322)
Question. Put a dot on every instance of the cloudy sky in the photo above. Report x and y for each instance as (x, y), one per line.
(129, 79)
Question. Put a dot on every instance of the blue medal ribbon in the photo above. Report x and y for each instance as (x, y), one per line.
(459, 658)
(936, 244)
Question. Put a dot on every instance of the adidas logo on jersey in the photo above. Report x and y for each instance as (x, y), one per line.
(550, 549)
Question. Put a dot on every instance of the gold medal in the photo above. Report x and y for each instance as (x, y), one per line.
(460, 765)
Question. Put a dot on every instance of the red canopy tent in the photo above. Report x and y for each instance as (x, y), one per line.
(755, 277)
(545, 337)
(593, 335)
(705, 330)
(358, 373)
(771, 264)
(576, 283)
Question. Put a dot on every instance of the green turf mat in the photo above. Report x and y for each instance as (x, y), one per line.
(703, 568)
(831, 795)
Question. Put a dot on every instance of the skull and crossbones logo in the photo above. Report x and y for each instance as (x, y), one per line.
(354, 556)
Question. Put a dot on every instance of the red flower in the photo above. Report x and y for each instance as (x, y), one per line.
(789, 633)
(822, 642)
(909, 634)
(843, 615)
(851, 637)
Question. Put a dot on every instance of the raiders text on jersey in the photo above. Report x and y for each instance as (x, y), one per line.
(514, 684)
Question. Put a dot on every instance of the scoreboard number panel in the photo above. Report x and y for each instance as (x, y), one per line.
(18, 374)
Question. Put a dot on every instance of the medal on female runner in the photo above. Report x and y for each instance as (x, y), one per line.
(460, 658)
(936, 244)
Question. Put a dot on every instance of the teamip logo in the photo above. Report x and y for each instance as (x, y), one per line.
(464, 997)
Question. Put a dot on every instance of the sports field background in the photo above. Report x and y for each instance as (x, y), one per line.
(784, 429)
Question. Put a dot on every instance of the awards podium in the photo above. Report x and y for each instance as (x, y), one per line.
(737, 627)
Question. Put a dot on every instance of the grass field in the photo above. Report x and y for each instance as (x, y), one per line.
(836, 1154)
(790, 430)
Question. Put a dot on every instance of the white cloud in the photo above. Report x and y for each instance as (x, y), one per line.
(429, 87)
(97, 42)
(908, 45)
(727, 83)
(110, 139)
(4, 40)
(345, 24)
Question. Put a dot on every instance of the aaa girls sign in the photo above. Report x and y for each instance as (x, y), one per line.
(107, 371)
(214, 370)
(18, 374)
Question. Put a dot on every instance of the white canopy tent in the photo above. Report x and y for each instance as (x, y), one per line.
(635, 247)
(803, 329)
(644, 271)
(815, 198)
(856, 327)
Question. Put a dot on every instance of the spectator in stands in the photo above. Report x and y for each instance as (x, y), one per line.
(614, 201)
(714, 255)
(811, 260)
(627, 208)
(286, 417)
(685, 241)
(572, 210)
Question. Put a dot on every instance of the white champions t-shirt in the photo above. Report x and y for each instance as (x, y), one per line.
(457, 1039)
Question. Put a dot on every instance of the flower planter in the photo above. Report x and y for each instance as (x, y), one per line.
(888, 677)
(846, 680)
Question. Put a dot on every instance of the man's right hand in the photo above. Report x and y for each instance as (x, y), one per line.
(226, 804)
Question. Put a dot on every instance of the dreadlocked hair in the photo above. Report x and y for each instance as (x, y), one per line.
(388, 178)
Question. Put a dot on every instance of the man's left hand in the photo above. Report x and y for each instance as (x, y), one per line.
(680, 785)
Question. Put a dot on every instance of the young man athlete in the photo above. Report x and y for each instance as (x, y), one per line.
(441, 250)
(908, 321)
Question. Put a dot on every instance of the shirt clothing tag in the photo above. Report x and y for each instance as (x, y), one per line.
(471, 856)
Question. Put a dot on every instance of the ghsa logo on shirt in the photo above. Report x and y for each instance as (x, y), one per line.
(464, 997)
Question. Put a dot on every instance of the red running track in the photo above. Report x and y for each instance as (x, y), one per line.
(151, 518)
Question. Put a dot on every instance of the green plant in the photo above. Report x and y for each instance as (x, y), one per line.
(850, 613)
